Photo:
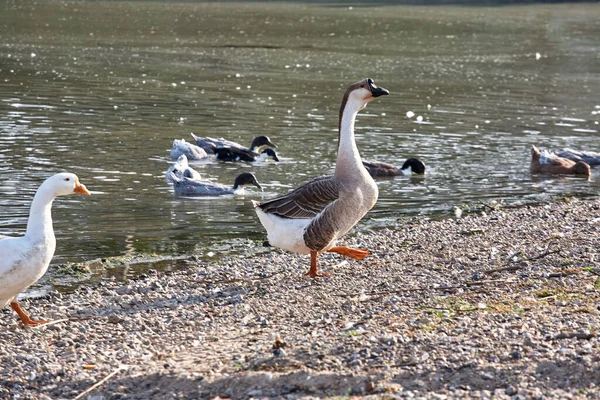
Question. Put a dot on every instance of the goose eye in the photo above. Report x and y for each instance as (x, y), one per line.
(67, 179)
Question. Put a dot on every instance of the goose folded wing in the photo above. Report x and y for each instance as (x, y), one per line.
(307, 201)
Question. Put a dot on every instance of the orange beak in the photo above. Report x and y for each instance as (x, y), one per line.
(81, 189)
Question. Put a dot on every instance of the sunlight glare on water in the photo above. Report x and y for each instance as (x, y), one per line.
(102, 89)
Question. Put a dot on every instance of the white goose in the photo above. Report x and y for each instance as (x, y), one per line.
(311, 218)
(24, 260)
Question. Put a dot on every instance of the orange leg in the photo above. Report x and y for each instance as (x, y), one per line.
(313, 272)
(25, 320)
(356, 254)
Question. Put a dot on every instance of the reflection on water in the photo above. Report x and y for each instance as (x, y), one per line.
(102, 89)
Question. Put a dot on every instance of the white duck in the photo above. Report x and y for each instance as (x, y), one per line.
(191, 151)
(24, 260)
(182, 169)
(311, 218)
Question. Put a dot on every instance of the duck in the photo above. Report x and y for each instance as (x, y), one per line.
(191, 151)
(24, 260)
(182, 169)
(549, 163)
(311, 218)
(233, 154)
(411, 166)
(191, 187)
(589, 157)
(210, 144)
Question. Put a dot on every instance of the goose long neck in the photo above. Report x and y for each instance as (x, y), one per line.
(348, 158)
(39, 224)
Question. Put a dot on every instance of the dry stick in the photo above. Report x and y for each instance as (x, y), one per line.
(569, 335)
(99, 383)
(516, 267)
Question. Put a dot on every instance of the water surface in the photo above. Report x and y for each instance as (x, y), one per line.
(101, 89)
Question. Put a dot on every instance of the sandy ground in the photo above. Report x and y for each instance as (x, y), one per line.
(502, 304)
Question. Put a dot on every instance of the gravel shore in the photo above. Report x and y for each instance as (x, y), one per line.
(502, 304)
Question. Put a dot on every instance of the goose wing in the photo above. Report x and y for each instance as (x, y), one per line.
(376, 168)
(306, 201)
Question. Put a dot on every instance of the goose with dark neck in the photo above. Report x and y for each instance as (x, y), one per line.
(209, 144)
(412, 166)
(312, 217)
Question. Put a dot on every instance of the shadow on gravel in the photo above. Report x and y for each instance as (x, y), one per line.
(564, 375)
(241, 386)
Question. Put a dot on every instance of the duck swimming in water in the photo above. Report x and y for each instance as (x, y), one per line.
(182, 169)
(380, 169)
(232, 154)
(588, 157)
(24, 260)
(312, 217)
(544, 162)
(191, 187)
(191, 151)
(210, 144)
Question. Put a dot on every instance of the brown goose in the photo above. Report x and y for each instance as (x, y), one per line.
(311, 218)
(544, 162)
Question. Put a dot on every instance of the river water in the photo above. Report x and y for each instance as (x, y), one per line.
(101, 89)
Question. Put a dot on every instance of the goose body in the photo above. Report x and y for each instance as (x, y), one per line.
(192, 187)
(235, 154)
(191, 151)
(312, 217)
(380, 169)
(545, 162)
(588, 157)
(24, 260)
(210, 144)
(181, 169)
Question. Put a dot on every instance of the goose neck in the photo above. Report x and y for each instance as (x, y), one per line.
(39, 224)
(348, 158)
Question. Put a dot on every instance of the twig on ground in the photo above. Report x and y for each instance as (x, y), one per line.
(99, 383)
(492, 271)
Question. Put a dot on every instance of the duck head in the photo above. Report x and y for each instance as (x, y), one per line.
(64, 184)
(270, 153)
(261, 141)
(414, 165)
(245, 178)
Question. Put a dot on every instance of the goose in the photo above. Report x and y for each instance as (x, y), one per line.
(181, 169)
(191, 151)
(233, 154)
(589, 157)
(411, 166)
(191, 187)
(25, 259)
(309, 219)
(548, 163)
(209, 144)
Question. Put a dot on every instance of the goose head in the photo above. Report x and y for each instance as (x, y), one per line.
(363, 92)
(245, 178)
(261, 141)
(64, 184)
(269, 153)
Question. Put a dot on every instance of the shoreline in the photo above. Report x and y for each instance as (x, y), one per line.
(503, 303)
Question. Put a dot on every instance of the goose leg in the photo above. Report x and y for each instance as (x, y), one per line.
(25, 320)
(356, 254)
(313, 272)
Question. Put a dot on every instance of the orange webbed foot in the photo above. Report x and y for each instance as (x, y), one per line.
(25, 320)
(355, 254)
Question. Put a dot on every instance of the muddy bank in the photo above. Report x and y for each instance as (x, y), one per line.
(504, 303)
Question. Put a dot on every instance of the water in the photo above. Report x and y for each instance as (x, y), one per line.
(101, 89)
